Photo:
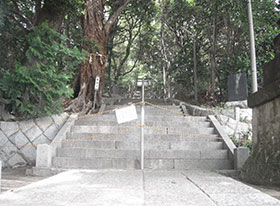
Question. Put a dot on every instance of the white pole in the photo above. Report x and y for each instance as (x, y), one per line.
(253, 50)
(142, 126)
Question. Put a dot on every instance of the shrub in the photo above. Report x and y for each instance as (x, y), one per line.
(38, 86)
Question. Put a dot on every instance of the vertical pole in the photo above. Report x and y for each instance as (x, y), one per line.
(94, 101)
(253, 50)
(142, 126)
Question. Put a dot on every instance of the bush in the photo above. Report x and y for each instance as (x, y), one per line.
(38, 86)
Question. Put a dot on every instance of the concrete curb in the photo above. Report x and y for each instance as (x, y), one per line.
(237, 155)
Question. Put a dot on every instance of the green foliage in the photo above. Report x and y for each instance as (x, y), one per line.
(242, 139)
(243, 143)
(38, 86)
(187, 20)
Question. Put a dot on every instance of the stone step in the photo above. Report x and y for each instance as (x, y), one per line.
(125, 163)
(147, 106)
(85, 153)
(95, 163)
(201, 124)
(217, 164)
(131, 130)
(136, 136)
(153, 101)
(135, 145)
(165, 117)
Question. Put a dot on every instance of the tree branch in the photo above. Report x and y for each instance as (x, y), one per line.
(112, 19)
(26, 30)
(132, 68)
(23, 18)
(38, 5)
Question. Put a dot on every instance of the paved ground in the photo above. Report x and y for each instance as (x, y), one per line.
(135, 188)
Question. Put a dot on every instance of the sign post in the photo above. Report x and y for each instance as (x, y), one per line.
(96, 87)
(142, 126)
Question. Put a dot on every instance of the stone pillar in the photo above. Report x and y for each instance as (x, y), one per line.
(263, 165)
(237, 113)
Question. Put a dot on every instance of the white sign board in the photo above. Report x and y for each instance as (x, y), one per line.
(126, 114)
(96, 86)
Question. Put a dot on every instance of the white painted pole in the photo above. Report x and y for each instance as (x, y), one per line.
(142, 126)
(252, 48)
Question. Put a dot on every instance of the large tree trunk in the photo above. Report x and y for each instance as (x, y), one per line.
(195, 70)
(96, 31)
(165, 62)
(50, 13)
(213, 62)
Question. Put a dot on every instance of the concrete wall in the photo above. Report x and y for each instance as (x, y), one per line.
(19, 140)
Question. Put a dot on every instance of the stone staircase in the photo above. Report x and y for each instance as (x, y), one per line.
(172, 141)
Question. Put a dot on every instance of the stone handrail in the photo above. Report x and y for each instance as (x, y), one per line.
(228, 142)
(45, 152)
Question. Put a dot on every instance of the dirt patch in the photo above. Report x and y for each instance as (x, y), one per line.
(15, 178)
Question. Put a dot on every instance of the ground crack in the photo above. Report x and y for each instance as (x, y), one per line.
(200, 189)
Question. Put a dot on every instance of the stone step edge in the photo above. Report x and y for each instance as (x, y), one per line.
(136, 159)
(147, 150)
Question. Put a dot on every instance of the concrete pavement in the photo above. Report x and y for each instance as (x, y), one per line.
(135, 188)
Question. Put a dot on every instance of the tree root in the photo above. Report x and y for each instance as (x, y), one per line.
(79, 105)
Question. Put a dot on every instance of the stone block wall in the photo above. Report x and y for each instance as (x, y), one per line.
(19, 140)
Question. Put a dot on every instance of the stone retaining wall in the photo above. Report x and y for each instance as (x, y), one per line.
(234, 128)
(236, 122)
(263, 166)
(19, 140)
(234, 112)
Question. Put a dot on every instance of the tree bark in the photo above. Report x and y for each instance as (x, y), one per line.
(96, 31)
(165, 62)
(213, 63)
(54, 16)
(195, 70)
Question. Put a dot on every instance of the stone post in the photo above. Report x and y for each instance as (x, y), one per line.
(241, 154)
(237, 113)
(44, 156)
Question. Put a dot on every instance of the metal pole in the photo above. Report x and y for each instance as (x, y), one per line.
(253, 50)
(142, 126)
